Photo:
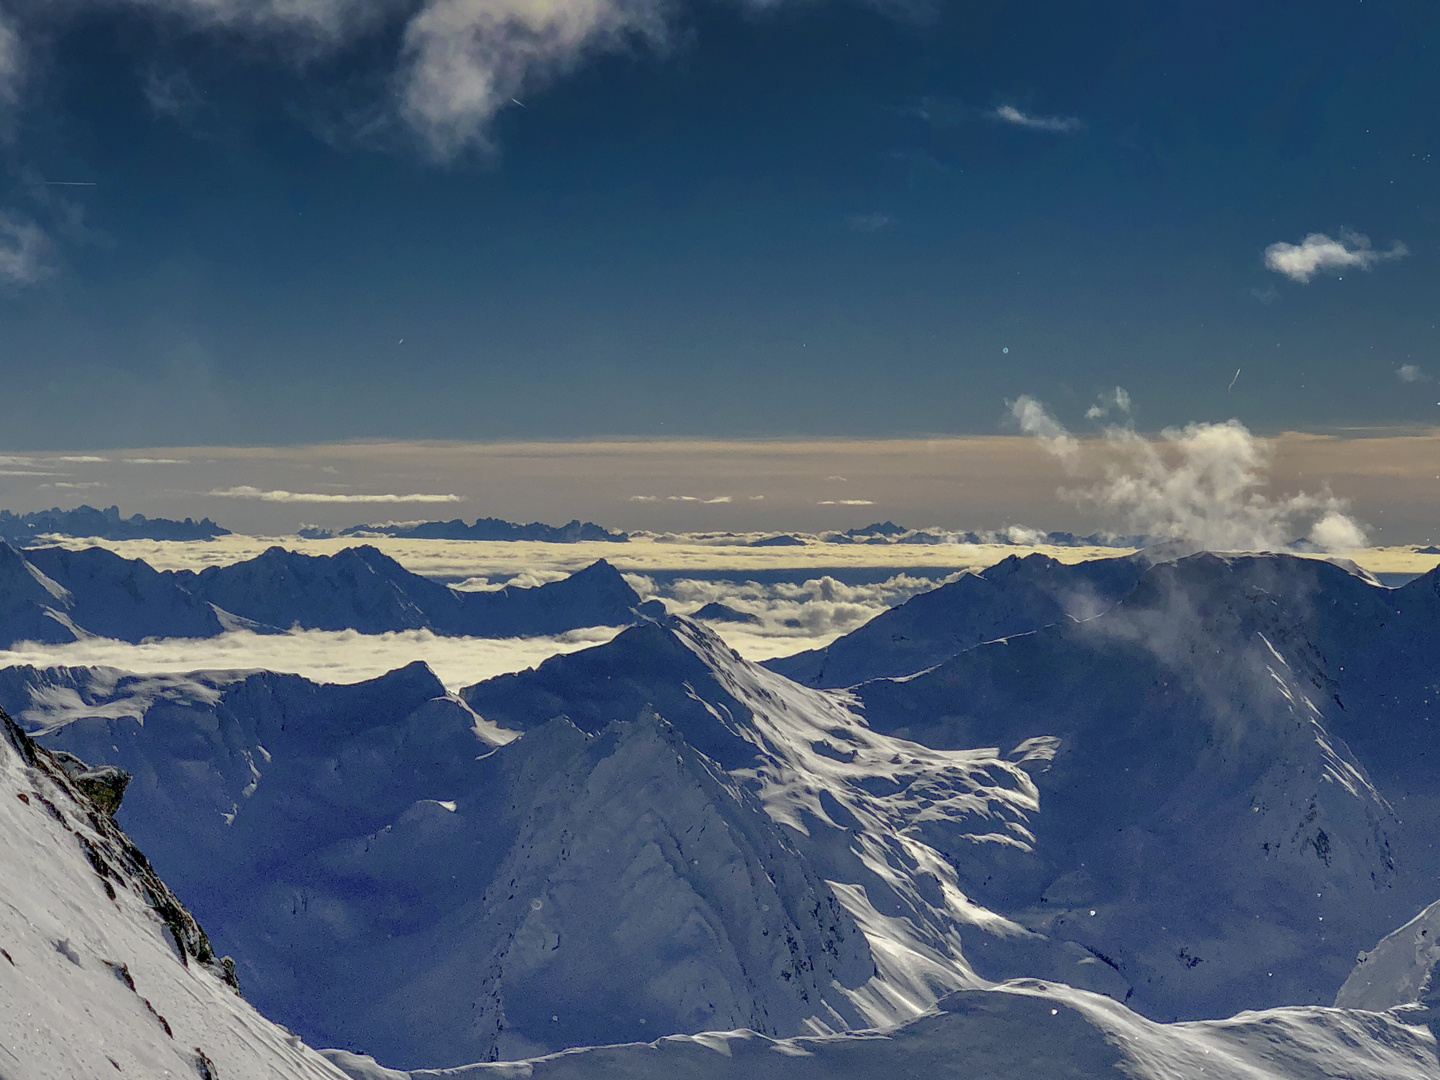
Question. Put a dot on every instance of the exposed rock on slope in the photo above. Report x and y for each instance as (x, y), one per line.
(102, 971)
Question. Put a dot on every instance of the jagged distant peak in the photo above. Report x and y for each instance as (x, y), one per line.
(484, 528)
(107, 524)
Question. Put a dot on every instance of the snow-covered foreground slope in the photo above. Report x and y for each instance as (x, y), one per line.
(58, 595)
(1026, 1030)
(102, 972)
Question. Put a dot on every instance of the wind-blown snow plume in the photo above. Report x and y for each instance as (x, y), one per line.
(1301, 262)
(1202, 483)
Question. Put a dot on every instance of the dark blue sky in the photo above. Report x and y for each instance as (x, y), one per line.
(808, 220)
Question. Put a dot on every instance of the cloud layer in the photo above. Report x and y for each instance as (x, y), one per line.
(1201, 483)
(1301, 262)
(342, 656)
(245, 491)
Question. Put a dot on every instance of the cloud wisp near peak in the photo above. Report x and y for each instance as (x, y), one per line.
(1203, 483)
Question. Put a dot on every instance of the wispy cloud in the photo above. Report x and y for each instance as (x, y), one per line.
(155, 461)
(1411, 373)
(172, 94)
(683, 499)
(1060, 125)
(1301, 262)
(869, 223)
(846, 502)
(1203, 483)
(281, 496)
(24, 251)
(1117, 399)
(12, 68)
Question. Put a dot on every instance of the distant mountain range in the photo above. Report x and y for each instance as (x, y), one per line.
(482, 529)
(58, 595)
(887, 532)
(86, 521)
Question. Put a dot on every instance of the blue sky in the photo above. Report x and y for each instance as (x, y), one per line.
(315, 220)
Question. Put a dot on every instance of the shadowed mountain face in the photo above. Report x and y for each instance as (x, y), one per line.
(57, 595)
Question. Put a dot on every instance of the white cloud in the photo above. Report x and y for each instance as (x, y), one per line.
(24, 248)
(155, 461)
(846, 502)
(717, 500)
(1301, 262)
(459, 61)
(12, 66)
(1410, 373)
(280, 496)
(1058, 124)
(464, 60)
(1035, 421)
(1203, 483)
(1117, 399)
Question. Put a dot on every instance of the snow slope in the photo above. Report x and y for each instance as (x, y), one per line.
(1025, 1030)
(1014, 596)
(102, 972)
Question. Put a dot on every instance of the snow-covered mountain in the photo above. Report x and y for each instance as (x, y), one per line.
(102, 971)
(1239, 800)
(1014, 596)
(364, 851)
(58, 595)
(1209, 796)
